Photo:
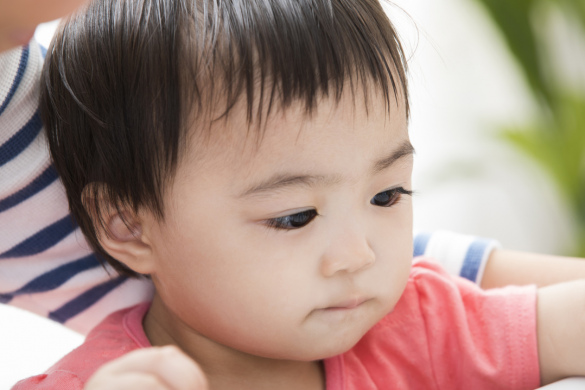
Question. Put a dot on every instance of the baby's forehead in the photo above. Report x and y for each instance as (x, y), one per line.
(233, 140)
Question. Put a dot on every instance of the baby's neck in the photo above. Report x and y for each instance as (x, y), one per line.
(227, 368)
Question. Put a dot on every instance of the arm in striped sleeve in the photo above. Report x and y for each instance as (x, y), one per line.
(46, 267)
(485, 263)
(459, 254)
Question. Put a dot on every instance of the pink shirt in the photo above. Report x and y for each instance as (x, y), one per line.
(444, 333)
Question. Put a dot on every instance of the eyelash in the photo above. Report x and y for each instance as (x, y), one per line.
(302, 219)
(287, 222)
(393, 195)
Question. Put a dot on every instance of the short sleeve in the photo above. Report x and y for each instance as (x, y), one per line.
(477, 339)
(62, 380)
(460, 254)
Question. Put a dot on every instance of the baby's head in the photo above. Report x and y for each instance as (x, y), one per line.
(252, 157)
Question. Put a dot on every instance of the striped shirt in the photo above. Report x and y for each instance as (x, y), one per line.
(46, 266)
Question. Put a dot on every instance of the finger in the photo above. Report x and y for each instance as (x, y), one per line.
(125, 381)
(169, 364)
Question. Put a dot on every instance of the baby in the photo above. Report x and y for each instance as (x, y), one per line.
(252, 158)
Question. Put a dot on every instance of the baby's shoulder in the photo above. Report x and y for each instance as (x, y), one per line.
(58, 379)
(427, 268)
(117, 335)
(434, 295)
(446, 332)
(429, 279)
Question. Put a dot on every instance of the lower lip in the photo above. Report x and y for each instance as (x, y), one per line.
(340, 313)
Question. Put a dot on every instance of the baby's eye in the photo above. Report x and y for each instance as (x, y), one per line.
(389, 197)
(294, 221)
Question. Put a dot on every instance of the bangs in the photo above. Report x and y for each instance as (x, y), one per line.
(271, 52)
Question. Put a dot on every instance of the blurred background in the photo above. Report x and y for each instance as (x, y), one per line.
(498, 106)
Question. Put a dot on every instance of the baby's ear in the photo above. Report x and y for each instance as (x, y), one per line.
(119, 229)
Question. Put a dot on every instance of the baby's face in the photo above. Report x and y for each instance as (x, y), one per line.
(295, 247)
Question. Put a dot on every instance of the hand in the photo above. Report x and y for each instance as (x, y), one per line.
(157, 368)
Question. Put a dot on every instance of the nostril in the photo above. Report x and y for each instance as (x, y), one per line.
(366, 262)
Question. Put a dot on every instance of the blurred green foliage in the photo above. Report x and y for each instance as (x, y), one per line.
(555, 138)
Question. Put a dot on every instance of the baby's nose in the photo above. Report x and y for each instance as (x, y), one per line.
(351, 253)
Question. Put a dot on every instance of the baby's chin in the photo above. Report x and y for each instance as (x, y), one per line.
(334, 333)
(342, 344)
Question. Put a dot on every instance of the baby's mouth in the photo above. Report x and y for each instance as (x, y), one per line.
(347, 304)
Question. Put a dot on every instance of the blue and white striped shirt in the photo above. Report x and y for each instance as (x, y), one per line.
(45, 264)
(46, 267)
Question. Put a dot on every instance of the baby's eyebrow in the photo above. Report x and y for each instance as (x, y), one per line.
(283, 180)
(405, 149)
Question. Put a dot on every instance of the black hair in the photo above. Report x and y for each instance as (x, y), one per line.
(124, 81)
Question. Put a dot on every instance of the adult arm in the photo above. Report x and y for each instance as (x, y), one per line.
(460, 254)
(45, 265)
(505, 267)
(484, 262)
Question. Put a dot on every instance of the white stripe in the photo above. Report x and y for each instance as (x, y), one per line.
(15, 273)
(31, 162)
(27, 218)
(77, 285)
(128, 294)
(24, 168)
(449, 249)
(24, 103)
(42, 209)
(493, 244)
(9, 62)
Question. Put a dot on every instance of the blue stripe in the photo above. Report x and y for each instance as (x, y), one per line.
(43, 51)
(420, 243)
(37, 185)
(473, 257)
(17, 78)
(19, 141)
(85, 300)
(42, 240)
(52, 279)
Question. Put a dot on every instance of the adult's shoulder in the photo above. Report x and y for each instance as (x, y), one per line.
(20, 70)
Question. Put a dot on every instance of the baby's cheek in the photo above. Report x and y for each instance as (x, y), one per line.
(392, 279)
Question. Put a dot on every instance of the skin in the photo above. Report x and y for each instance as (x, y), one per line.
(19, 18)
(561, 330)
(506, 267)
(559, 345)
(258, 306)
(165, 368)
